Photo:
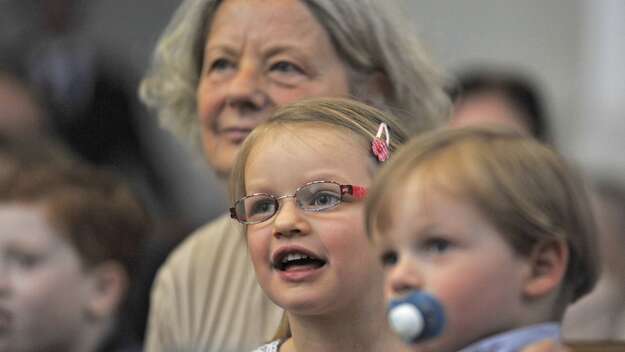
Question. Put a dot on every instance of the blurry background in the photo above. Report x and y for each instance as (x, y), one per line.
(573, 49)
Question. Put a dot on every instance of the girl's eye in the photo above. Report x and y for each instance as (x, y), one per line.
(261, 206)
(285, 67)
(324, 199)
(389, 258)
(437, 245)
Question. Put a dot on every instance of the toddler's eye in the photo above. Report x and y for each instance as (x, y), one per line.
(437, 245)
(389, 258)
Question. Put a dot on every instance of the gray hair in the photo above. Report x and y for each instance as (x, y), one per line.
(368, 36)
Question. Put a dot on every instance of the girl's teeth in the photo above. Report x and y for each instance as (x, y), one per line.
(294, 256)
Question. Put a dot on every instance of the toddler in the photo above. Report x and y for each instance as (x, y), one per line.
(490, 223)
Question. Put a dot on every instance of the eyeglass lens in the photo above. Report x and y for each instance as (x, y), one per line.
(314, 196)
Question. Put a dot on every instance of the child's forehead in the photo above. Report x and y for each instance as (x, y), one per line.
(310, 128)
(417, 188)
(307, 136)
(18, 219)
(308, 153)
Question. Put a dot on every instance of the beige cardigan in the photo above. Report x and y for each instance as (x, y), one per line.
(206, 297)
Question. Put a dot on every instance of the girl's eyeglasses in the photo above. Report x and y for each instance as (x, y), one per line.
(313, 196)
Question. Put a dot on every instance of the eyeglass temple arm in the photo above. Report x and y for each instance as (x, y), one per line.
(356, 192)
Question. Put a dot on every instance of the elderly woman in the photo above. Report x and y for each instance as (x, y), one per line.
(219, 69)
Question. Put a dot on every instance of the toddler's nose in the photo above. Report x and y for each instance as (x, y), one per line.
(403, 278)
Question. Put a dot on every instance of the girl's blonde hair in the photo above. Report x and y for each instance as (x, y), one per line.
(524, 188)
(368, 35)
(357, 119)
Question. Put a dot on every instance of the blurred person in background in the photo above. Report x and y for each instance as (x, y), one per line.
(601, 314)
(500, 96)
(70, 237)
(87, 94)
(219, 69)
(21, 111)
(60, 84)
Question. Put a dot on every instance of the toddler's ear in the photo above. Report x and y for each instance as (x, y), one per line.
(548, 263)
(107, 288)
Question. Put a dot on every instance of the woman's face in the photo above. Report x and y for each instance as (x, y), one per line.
(41, 284)
(260, 54)
(344, 272)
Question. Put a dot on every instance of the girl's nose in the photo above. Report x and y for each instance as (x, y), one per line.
(289, 220)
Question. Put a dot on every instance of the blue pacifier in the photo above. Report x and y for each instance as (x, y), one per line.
(416, 317)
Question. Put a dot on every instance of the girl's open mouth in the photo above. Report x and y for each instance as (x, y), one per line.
(291, 261)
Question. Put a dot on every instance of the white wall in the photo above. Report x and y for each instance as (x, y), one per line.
(575, 48)
(602, 94)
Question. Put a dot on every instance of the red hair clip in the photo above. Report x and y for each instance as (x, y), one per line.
(379, 146)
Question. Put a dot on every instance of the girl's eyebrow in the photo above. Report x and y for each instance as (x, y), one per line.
(260, 187)
(327, 175)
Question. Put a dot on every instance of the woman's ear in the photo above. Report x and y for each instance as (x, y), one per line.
(108, 284)
(378, 88)
(548, 264)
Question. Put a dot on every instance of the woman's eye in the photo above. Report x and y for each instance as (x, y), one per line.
(325, 199)
(220, 64)
(388, 258)
(285, 67)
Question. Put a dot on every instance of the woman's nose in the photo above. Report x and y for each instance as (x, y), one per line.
(289, 220)
(246, 89)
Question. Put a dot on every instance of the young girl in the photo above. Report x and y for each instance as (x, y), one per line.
(298, 186)
(491, 223)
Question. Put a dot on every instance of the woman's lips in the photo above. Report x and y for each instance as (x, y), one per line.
(235, 135)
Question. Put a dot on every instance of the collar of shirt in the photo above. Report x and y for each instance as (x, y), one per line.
(514, 340)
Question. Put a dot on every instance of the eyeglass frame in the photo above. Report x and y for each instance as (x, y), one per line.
(358, 192)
